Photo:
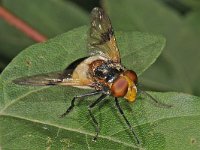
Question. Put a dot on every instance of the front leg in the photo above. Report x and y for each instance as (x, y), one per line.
(158, 103)
(76, 97)
(126, 120)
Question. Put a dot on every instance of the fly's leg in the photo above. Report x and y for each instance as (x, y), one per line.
(156, 101)
(127, 122)
(76, 97)
(152, 98)
(92, 116)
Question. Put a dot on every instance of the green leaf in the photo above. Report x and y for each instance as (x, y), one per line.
(29, 115)
(31, 122)
(176, 69)
(194, 4)
(134, 15)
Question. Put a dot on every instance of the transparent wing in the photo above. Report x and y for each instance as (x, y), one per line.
(101, 36)
(55, 78)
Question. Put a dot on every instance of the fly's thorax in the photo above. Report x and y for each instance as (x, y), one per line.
(125, 86)
(105, 71)
(95, 64)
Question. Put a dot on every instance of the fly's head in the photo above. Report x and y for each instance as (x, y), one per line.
(125, 86)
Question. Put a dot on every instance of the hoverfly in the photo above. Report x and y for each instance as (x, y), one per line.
(102, 71)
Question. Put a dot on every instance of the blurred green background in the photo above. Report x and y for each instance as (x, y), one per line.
(178, 20)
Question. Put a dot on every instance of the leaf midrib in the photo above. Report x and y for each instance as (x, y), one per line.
(90, 134)
(69, 129)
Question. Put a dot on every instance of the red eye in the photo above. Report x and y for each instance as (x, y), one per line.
(131, 75)
(119, 87)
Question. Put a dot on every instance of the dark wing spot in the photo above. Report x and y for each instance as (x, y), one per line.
(107, 36)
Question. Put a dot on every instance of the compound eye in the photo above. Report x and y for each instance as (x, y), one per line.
(131, 75)
(119, 87)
